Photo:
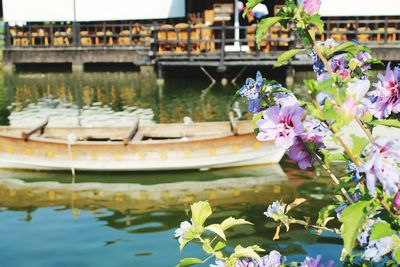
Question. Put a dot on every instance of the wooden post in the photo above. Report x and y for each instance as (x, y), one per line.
(40, 128)
(233, 123)
(386, 30)
(7, 35)
(189, 48)
(76, 34)
(223, 40)
(132, 131)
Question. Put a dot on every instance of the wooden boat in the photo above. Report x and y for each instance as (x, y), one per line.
(146, 148)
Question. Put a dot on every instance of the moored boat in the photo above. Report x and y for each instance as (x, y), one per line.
(146, 148)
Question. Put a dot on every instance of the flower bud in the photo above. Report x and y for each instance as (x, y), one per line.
(396, 201)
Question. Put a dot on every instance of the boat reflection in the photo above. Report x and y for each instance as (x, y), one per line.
(255, 185)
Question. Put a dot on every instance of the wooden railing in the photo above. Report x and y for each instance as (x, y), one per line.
(192, 39)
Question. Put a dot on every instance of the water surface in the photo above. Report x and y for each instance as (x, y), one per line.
(129, 219)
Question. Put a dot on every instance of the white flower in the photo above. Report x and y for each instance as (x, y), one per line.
(378, 248)
(275, 210)
(358, 89)
(218, 263)
(181, 230)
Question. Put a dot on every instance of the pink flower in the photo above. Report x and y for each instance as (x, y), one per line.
(313, 137)
(387, 94)
(396, 201)
(281, 124)
(312, 6)
(382, 165)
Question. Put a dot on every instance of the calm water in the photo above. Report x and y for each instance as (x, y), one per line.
(129, 219)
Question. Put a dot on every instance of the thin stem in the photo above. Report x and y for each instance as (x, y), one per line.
(387, 207)
(315, 226)
(346, 149)
(209, 257)
(365, 129)
(328, 170)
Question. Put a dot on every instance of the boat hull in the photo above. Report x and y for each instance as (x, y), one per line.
(201, 152)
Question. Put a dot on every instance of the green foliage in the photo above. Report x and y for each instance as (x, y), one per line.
(324, 214)
(359, 144)
(217, 229)
(188, 262)
(200, 212)
(380, 230)
(317, 22)
(256, 118)
(388, 122)
(348, 47)
(284, 57)
(220, 245)
(235, 97)
(353, 217)
(230, 222)
(264, 26)
(247, 252)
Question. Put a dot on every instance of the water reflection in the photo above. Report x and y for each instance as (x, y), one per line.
(59, 93)
(133, 222)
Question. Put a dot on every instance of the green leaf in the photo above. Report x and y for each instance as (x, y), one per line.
(250, 5)
(217, 228)
(359, 143)
(207, 246)
(220, 245)
(389, 122)
(248, 252)
(256, 118)
(397, 255)
(264, 26)
(295, 203)
(380, 230)
(284, 57)
(312, 85)
(353, 218)
(228, 223)
(342, 183)
(373, 61)
(348, 47)
(234, 98)
(188, 262)
(324, 213)
(317, 22)
(200, 212)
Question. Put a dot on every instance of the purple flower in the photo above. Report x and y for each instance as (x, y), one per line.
(349, 109)
(377, 249)
(353, 171)
(364, 57)
(396, 201)
(252, 88)
(322, 96)
(311, 262)
(281, 124)
(387, 94)
(382, 164)
(246, 263)
(254, 106)
(274, 259)
(363, 237)
(311, 6)
(276, 210)
(313, 137)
